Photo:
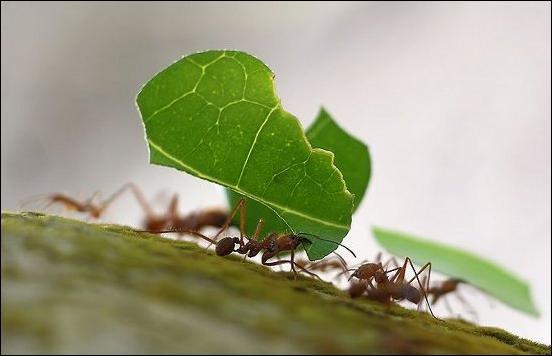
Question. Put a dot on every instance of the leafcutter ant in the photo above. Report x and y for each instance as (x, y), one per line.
(387, 289)
(271, 246)
(152, 221)
(440, 290)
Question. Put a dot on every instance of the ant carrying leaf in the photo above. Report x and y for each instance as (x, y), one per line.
(271, 246)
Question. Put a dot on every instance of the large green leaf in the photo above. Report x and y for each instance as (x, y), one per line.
(351, 157)
(464, 265)
(216, 115)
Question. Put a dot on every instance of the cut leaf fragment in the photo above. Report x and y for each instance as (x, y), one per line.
(454, 262)
(352, 158)
(216, 115)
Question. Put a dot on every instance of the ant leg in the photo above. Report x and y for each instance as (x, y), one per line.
(399, 275)
(191, 232)
(292, 258)
(172, 211)
(447, 305)
(140, 198)
(255, 235)
(90, 201)
(103, 206)
(389, 260)
(392, 260)
(469, 308)
(179, 231)
(67, 202)
(241, 207)
(425, 281)
(426, 278)
(258, 229)
(369, 281)
(288, 261)
(420, 283)
(341, 260)
(279, 266)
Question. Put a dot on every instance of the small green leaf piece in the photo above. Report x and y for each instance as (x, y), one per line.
(216, 115)
(351, 155)
(453, 262)
(352, 158)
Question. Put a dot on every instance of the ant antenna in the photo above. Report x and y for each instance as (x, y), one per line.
(334, 242)
(341, 260)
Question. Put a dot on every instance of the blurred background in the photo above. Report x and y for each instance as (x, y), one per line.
(452, 98)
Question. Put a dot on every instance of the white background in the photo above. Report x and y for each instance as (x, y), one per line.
(452, 98)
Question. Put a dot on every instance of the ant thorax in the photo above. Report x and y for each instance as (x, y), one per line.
(367, 270)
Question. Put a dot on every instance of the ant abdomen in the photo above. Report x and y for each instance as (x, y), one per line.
(225, 246)
(411, 293)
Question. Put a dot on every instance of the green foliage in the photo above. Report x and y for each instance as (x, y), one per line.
(352, 158)
(216, 115)
(464, 265)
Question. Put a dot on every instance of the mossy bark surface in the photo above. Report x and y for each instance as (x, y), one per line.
(74, 287)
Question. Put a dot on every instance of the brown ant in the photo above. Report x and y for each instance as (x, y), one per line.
(152, 222)
(270, 246)
(441, 289)
(388, 289)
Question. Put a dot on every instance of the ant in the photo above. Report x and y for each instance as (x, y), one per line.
(449, 286)
(152, 222)
(388, 289)
(271, 246)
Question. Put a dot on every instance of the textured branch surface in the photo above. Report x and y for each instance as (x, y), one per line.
(73, 287)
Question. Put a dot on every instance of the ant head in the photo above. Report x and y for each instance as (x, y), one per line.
(355, 274)
(225, 246)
